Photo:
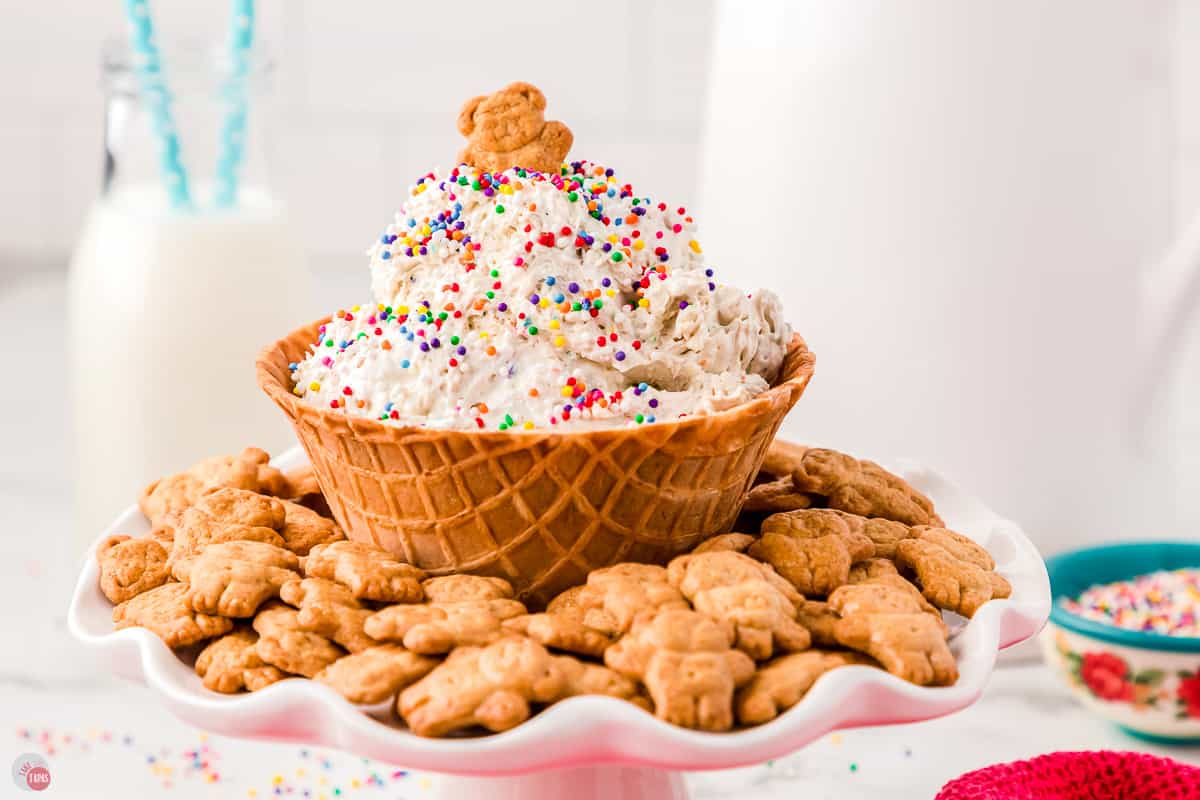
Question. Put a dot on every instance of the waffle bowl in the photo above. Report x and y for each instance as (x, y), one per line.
(591, 747)
(538, 508)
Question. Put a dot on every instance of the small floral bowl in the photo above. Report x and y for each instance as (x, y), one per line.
(1146, 683)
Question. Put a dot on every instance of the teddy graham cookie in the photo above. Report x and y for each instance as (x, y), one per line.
(861, 487)
(783, 682)
(732, 588)
(614, 595)
(812, 548)
(232, 664)
(376, 673)
(953, 571)
(130, 566)
(166, 611)
(369, 572)
(233, 579)
(331, 610)
(284, 643)
(433, 628)
(688, 665)
(497, 687)
(508, 128)
(172, 495)
(734, 633)
(889, 625)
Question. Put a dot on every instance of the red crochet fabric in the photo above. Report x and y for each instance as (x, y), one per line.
(1102, 775)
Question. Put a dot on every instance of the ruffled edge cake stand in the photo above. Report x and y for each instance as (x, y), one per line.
(587, 747)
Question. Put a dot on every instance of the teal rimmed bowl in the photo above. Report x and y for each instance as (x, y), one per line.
(1147, 683)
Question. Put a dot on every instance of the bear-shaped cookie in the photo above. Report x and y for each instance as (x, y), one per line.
(508, 129)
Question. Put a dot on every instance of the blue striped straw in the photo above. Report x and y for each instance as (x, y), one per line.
(148, 66)
(233, 132)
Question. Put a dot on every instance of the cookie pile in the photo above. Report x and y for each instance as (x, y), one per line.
(849, 565)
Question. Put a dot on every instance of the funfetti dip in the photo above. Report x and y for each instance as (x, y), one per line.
(523, 300)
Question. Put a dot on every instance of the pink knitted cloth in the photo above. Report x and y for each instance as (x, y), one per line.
(1102, 775)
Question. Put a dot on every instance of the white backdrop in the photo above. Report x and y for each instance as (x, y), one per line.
(958, 202)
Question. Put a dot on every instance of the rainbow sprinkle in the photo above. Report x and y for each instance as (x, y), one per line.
(475, 320)
(1166, 602)
(310, 774)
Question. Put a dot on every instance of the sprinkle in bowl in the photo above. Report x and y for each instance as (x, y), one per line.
(1146, 682)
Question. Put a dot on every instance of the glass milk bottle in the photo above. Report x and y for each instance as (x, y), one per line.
(169, 306)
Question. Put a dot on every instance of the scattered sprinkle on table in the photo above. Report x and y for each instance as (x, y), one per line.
(1165, 602)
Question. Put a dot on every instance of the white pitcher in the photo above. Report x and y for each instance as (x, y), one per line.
(957, 202)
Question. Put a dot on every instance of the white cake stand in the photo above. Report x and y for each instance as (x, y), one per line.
(587, 748)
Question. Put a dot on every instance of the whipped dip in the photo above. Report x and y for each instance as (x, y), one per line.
(522, 300)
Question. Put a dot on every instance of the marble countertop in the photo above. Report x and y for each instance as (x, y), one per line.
(103, 737)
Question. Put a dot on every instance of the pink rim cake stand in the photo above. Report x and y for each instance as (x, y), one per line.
(587, 748)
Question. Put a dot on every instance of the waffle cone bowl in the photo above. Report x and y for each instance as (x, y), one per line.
(539, 508)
